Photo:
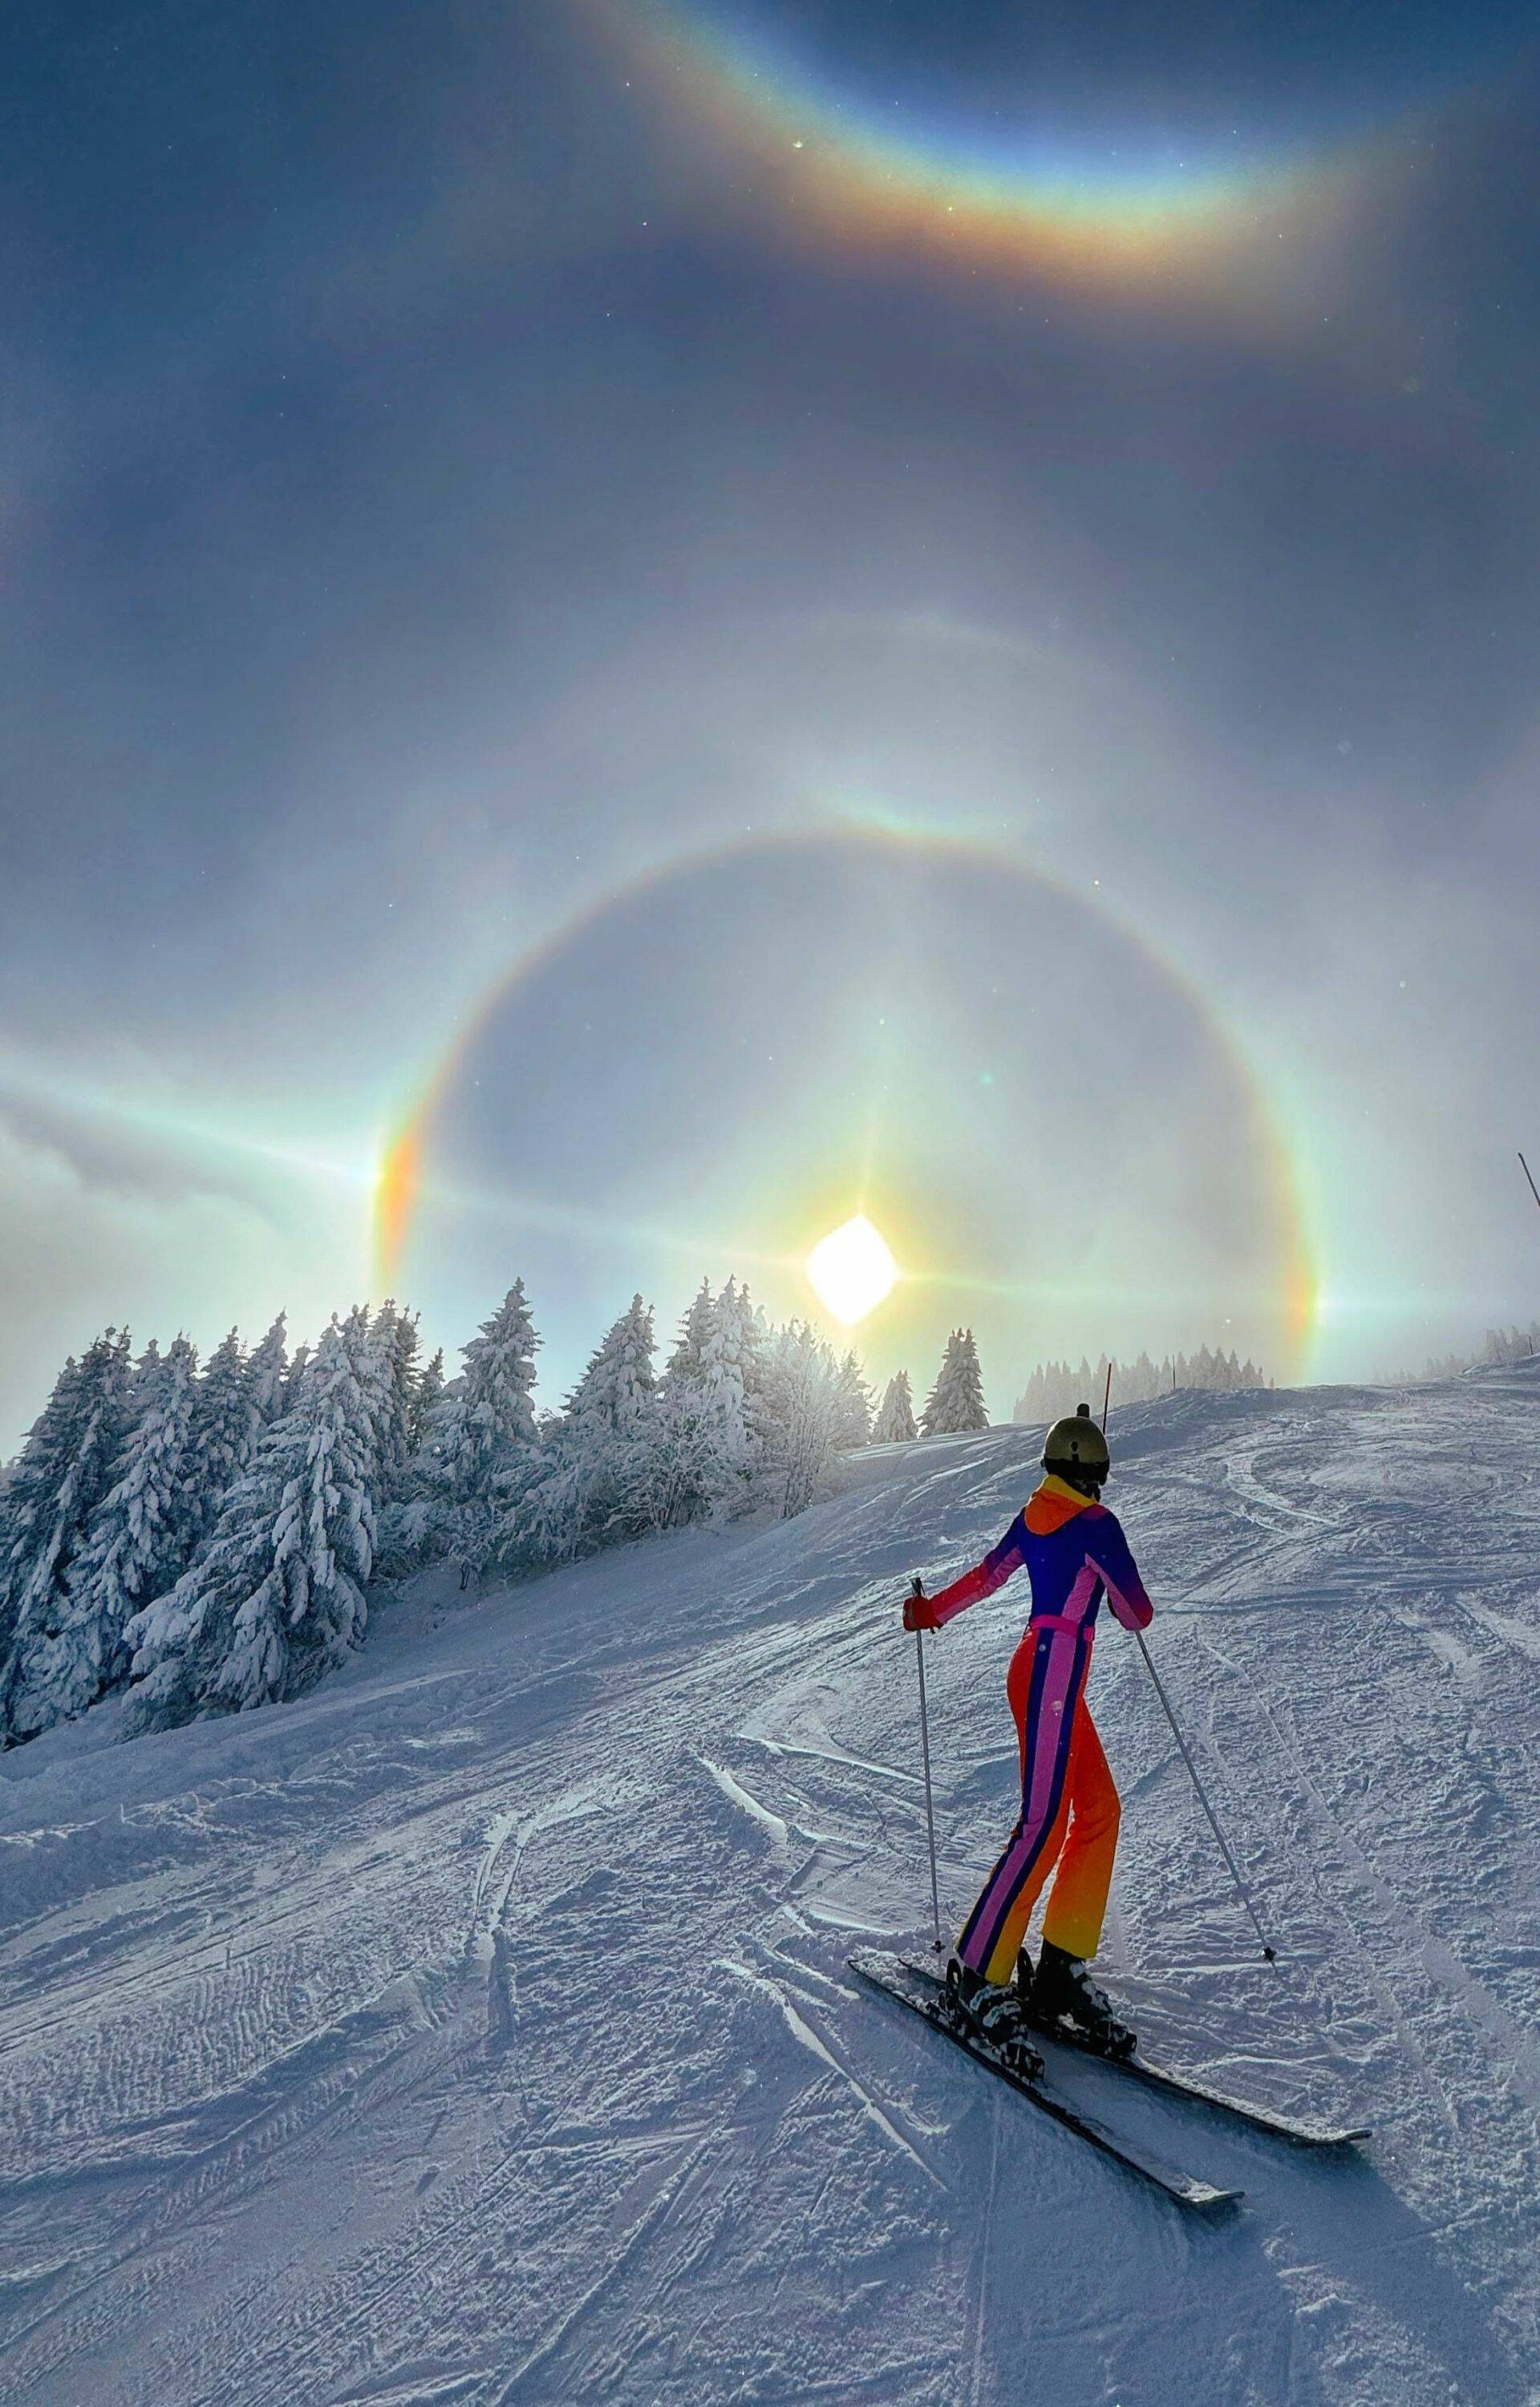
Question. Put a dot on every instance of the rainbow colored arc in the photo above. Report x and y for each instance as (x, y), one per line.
(403, 1174)
(834, 170)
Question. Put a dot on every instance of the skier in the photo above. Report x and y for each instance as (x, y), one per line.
(1075, 1553)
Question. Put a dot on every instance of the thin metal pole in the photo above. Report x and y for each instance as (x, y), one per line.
(1269, 1951)
(1525, 1168)
(926, 1759)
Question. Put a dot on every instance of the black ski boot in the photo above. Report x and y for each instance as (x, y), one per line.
(1062, 1990)
(993, 2011)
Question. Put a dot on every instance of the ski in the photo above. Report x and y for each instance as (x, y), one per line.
(1198, 2093)
(920, 1988)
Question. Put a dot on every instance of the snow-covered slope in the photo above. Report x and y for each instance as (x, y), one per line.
(478, 2030)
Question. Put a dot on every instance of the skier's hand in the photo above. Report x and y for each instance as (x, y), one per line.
(920, 1613)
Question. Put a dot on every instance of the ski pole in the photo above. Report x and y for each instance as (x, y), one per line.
(926, 1759)
(1269, 1951)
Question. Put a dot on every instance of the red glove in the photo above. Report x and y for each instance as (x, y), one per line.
(920, 1613)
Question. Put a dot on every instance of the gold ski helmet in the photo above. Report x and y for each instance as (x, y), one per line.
(1076, 1450)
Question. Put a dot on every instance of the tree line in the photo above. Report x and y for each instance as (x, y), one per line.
(1055, 1388)
(1499, 1346)
(206, 1538)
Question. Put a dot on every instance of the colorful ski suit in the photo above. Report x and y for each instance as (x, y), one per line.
(1075, 1554)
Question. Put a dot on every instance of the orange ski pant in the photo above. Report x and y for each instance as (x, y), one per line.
(1080, 1836)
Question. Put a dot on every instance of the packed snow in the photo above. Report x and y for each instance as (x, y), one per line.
(478, 2030)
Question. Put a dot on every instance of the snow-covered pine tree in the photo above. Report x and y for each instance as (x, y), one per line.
(395, 1338)
(690, 1470)
(267, 1374)
(277, 1598)
(730, 1354)
(477, 1441)
(426, 1397)
(698, 1445)
(689, 1355)
(957, 1400)
(592, 1489)
(418, 1521)
(49, 1501)
(611, 1414)
(146, 1381)
(138, 1545)
(490, 1409)
(615, 1391)
(731, 1360)
(796, 1413)
(895, 1414)
(224, 1429)
(855, 1402)
(294, 1379)
(31, 1484)
(368, 1350)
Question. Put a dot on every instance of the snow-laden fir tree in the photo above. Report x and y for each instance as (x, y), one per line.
(394, 1339)
(687, 1359)
(692, 1468)
(731, 1348)
(615, 1392)
(277, 1598)
(31, 1483)
(369, 1352)
(490, 1409)
(592, 1488)
(224, 1429)
(797, 1411)
(957, 1400)
(294, 1379)
(473, 1459)
(136, 1546)
(268, 1373)
(855, 1397)
(730, 1374)
(48, 1505)
(416, 1519)
(699, 1440)
(426, 1400)
(146, 1381)
(895, 1414)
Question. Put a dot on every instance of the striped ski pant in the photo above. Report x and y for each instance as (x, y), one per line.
(1069, 1811)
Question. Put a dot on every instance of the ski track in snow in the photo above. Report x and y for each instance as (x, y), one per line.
(476, 2032)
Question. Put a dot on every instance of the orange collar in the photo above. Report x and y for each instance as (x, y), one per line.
(1052, 1504)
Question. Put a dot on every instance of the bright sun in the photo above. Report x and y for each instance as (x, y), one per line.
(852, 1270)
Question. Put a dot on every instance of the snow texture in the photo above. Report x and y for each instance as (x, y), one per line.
(476, 2028)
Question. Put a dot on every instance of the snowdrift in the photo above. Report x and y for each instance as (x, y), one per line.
(478, 2029)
